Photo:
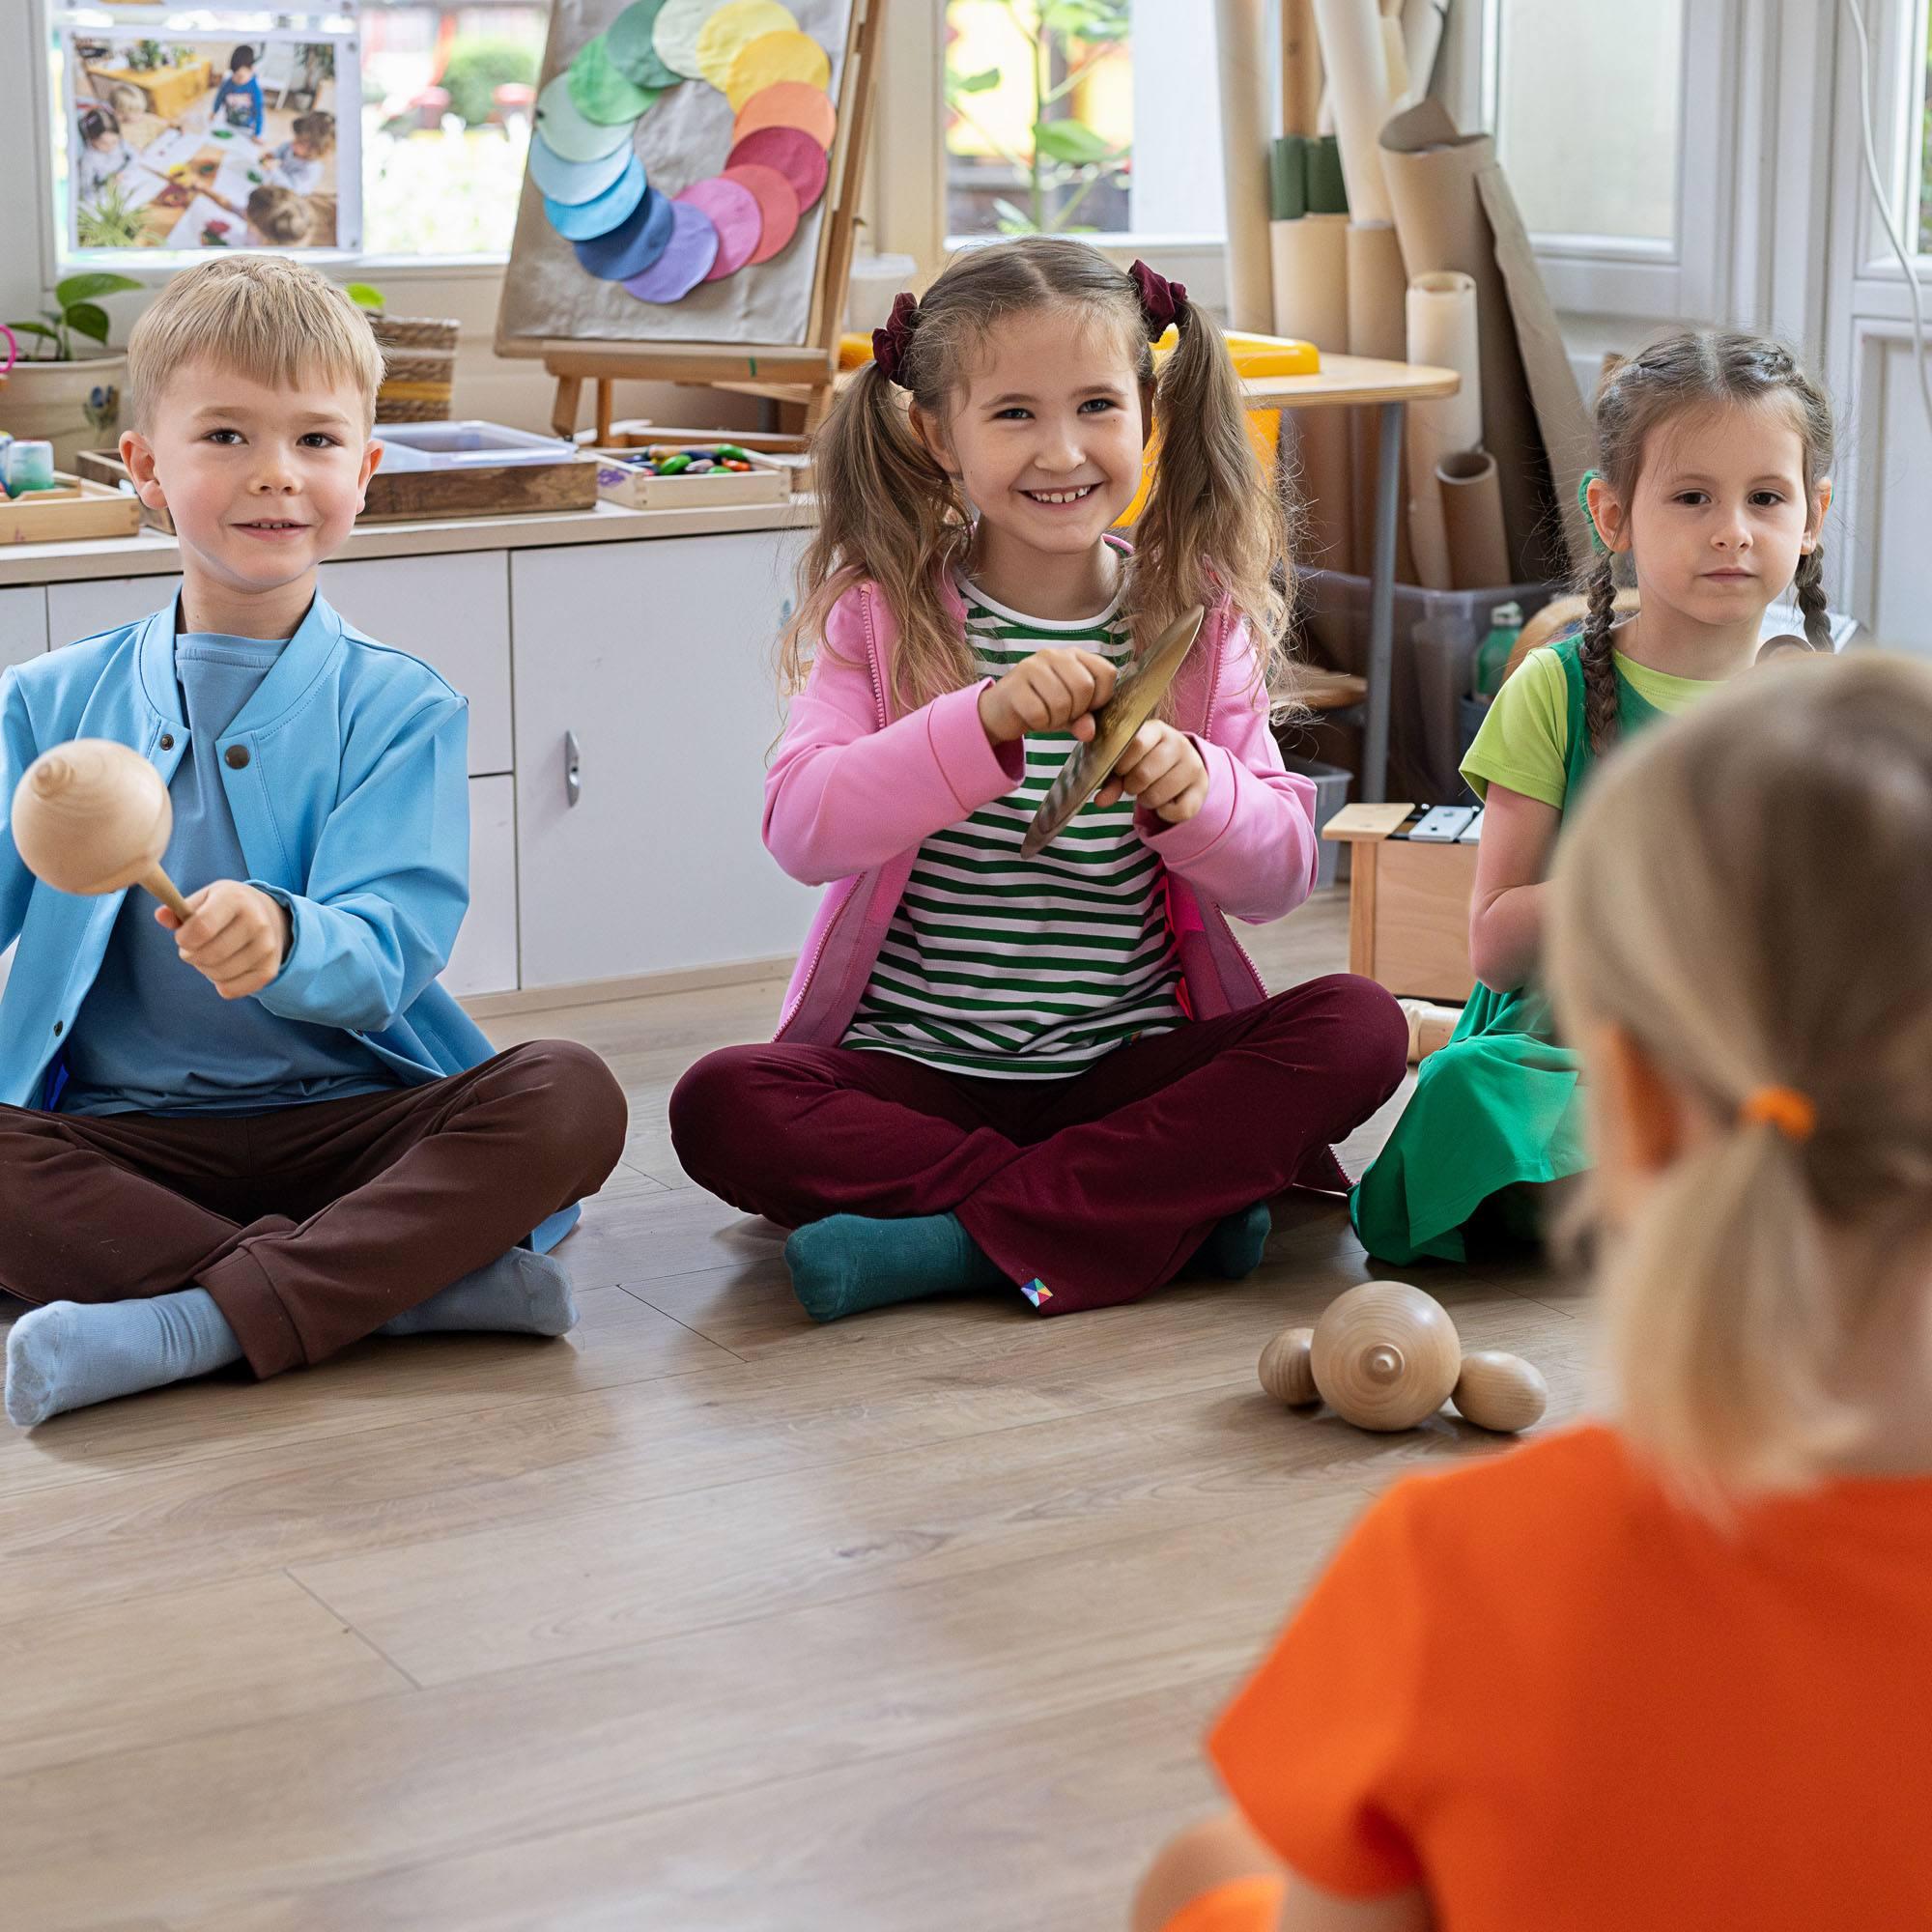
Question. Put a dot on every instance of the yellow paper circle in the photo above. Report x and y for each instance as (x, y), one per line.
(772, 58)
(735, 24)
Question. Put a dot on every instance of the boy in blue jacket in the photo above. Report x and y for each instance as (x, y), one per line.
(268, 1131)
(238, 101)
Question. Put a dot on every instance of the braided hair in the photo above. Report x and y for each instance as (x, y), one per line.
(1690, 370)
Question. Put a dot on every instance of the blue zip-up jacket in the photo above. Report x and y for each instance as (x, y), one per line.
(346, 774)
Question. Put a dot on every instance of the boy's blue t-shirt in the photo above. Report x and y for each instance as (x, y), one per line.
(240, 104)
(127, 1050)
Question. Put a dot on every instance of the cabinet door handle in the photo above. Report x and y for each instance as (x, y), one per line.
(572, 768)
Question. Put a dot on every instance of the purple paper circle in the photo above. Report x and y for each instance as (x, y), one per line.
(684, 263)
(633, 244)
(734, 213)
(792, 152)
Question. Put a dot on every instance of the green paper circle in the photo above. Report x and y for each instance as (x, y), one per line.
(632, 49)
(600, 93)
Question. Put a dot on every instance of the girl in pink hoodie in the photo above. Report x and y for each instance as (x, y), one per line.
(1059, 1074)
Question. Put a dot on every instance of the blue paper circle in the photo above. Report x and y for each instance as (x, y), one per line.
(631, 247)
(585, 221)
(574, 182)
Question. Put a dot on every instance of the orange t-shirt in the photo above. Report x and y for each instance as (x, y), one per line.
(1553, 1698)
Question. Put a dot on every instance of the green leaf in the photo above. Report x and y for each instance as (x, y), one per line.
(363, 295)
(1071, 142)
(1085, 20)
(33, 328)
(973, 83)
(86, 287)
(90, 320)
(1012, 220)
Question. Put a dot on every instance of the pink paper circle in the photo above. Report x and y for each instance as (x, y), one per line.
(793, 152)
(685, 261)
(734, 213)
(778, 207)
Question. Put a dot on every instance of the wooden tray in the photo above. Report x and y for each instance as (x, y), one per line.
(74, 510)
(765, 482)
(105, 465)
(791, 453)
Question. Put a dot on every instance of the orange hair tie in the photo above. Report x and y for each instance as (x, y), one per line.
(1784, 1108)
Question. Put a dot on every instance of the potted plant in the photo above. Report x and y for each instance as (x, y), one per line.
(69, 397)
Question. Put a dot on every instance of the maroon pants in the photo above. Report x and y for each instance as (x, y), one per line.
(311, 1226)
(1098, 1186)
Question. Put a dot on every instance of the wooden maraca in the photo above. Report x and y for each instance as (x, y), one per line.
(92, 816)
(1386, 1356)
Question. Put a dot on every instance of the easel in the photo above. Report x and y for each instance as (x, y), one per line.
(810, 365)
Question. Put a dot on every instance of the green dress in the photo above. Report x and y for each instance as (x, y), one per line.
(1498, 1104)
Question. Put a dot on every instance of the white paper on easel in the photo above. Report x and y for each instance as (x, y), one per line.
(1442, 334)
(1352, 53)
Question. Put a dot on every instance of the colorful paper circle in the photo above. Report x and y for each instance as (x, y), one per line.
(735, 23)
(734, 212)
(685, 261)
(631, 45)
(679, 23)
(790, 104)
(794, 155)
(566, 133)
(771, 58)
(633, 244)
(574, 182)
(604, 97)
(778, 207)
(585, 220)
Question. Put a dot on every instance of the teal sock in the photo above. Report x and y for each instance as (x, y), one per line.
(71, 1353)
(518, 1294)
(1234, 1245)
(849, 1262)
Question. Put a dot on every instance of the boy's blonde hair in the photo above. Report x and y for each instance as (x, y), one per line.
(1748, 895)
(277, 322)
(318, 129)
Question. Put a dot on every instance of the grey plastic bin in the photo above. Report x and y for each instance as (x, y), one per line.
(1437, 634)
(1331, 793)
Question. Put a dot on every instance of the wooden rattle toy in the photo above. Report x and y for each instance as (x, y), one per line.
(1386, 1356)
(92, 816)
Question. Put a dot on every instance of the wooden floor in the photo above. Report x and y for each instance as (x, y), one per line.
(706, 1617)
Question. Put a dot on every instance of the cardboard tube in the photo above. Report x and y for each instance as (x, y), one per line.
(1395, 60)
(1300, 68)
(1244, 160)
(1472, 513)
(1359, 89)
(1377, 290)
(1311, 302)
(1288, 183)
(1422, 24)
(1327, 192)
(1441, 333)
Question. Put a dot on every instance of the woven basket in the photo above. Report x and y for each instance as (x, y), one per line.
(420, 368)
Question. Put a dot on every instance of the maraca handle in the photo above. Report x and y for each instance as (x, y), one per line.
(164, 889)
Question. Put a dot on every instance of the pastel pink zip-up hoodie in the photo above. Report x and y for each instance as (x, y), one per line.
(854, 792)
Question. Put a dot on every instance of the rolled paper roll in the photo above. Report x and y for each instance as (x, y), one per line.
(1359, 90)
(1378, 327)
(1311, 280)
(1385, 1355)
(1327, 192)
(1244, 109)
(1442, 334)
(1472, 513)
(1288, 181)
(1285, 1368)
(1501, 1392)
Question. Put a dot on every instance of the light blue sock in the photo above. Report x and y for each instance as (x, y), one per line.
(518, 1294)
(71, 1353)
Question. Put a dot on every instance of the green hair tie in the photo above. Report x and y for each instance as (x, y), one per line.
(1597, 542)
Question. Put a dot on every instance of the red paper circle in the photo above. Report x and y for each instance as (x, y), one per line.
(795, 154)
(736, 215)
(778, 207)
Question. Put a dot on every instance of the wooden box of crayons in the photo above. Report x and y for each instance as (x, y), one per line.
(1412, 872)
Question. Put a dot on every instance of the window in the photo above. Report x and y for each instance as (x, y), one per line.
(446, 95)
(1061, 115)
(1924, 94)
(1587, 113)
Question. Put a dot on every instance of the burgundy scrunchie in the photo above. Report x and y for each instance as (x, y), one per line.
(891, 343)
(1161, 301)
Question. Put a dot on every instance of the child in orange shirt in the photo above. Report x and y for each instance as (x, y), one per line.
(1672, 1670)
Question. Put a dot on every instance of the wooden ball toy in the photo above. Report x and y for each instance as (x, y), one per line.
(1286, 1368)
(1385, 1355)
(1501, 1392)
(93, 817)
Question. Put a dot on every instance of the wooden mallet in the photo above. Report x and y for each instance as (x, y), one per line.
(92, 816)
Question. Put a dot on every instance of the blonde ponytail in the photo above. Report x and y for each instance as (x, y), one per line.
(1748, 897)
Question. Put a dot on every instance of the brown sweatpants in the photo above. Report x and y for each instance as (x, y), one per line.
(311, 1226)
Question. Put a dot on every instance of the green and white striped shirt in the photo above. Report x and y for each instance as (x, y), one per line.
(1026, 969)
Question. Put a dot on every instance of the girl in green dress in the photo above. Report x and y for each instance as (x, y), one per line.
(1713, 453)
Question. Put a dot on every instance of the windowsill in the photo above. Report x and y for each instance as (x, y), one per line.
(1120, 244)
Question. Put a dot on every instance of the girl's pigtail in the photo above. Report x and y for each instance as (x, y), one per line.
(1812, 606)
(1597, 656)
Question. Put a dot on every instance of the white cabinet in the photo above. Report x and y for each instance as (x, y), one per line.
(452, 612)
(80, 609)
(24, 624)
(654, 661)
(485, 956)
